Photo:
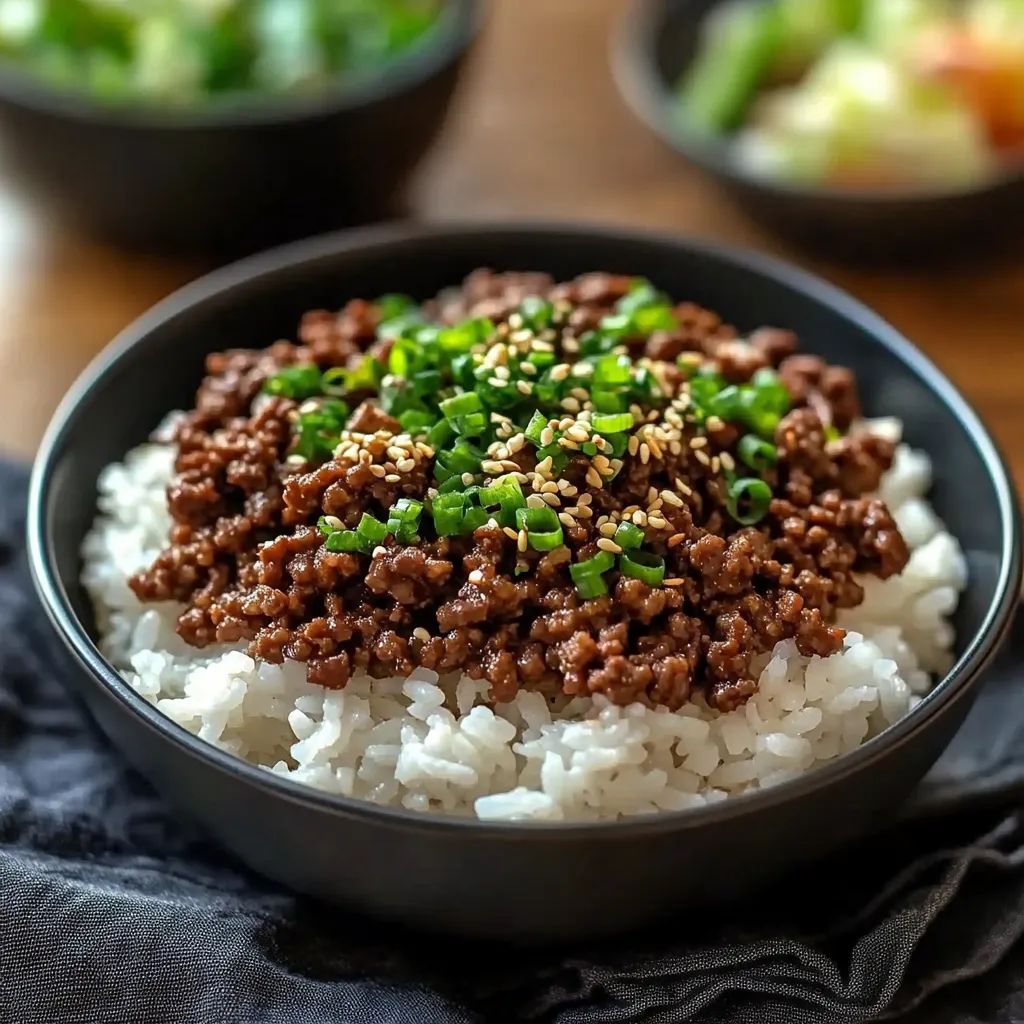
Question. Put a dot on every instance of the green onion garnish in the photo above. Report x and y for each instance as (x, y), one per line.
(345, 541)
(641, 295)
(754, 495)
(391, 306)
(832, 433)
(628, 536)
(506, 493)
(588, 577)
(404, 519)
(372, 530)
(473, 425)
(474, 518)
(537, 313)
(543, 530)
(297, 382)
(613, 423)
(536, 426)
(644, 566)
(440, 434)
(448, 511)
(414, 421)
(461, 405)
(426, 383)
(613, 370)
(758, 454)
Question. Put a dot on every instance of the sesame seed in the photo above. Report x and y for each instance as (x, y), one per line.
(634, 445)
(672, 499)
(405, 465)
(640, 517)
(571, 404)
(552, 499)
(395, 453)
(490, 466)
(378, 471)
(521, 540)
(467, 479)
(645, 453)
(295, 460)
(655, 448)
(309, 406)
(584, 512)
(728, 462)
(585, 499)
(561, 371)
(702, 458)
(501, 372)
(570, 344)
(524, 387)
(333, 522)
(515, 321)
(547, 435)
(577, 433)
(421, 634)
(594, 478)
(608, 529)
(516, 443)
(674, 582)
(609, 545)
(510, 533)
(425, 450)
(716, 464)
(683, 488)
(657, 523)
(581, 393)
(675, 448)
(379, 551)
(675, 540)
(509, 466)
(496, 382)
(544, 466)
(714, 423)
(535, 501)
(567, 442)
(476, 576)
(566, 520)
(698, 442)
(392, 478)
(549, 486)
(528, 367)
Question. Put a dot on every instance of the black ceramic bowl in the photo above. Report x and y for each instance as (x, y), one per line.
(657, 41)
(232, 179)
(522, 881)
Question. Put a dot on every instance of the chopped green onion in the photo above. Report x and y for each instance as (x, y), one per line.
(613, 369)
(645, 566)
(614, 423)
(832, 433)
(587, 575)
(440, 434)
(641, 295)
(414, 421)
(391, 306)
(537, 313)
(758, 454)
(619, 443)
(365, 377)
(297, 382)
(704, 387)
(463, 458)
(607, 401)
(324, 527)
(506, 493)
(319, 431)
(474, 518)
(473, 425)
(589, 448)
(754, 494)
(543, 530)
(462, 338)
(628, 536)
(727, 404)
(654, 318)
(448, 511)
(345, 541)
(461, 405)
(426, 383)
(372, 530)
(535, 428)
(335, 381)
(772, 393)
(403, 520)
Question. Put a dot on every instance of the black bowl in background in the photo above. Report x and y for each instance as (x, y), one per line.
(508, 880)
(228, 179)
(657, 41)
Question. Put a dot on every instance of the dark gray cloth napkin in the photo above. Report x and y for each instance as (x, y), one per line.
(112, 912)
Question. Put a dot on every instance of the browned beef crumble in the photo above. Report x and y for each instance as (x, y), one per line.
(249, 562)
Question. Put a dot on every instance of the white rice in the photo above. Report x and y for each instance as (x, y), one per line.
(429, 744)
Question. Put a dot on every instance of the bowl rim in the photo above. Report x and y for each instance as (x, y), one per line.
(458, 26)
(264, 267)
(650, 100)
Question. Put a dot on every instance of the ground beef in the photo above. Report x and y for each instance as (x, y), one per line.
(247, 556)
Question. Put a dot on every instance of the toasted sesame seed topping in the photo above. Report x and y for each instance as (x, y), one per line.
(594, 478)
(566, 520)
(421, 634)
(609, 545)
(698, 442)
(674, 582)
(607, 529)
(378, 471)
(392, 478)
(702, 458)
(510, 533)
(728, 462)
(522, 539)
(535, 501)
(333, 522)
(379, 551)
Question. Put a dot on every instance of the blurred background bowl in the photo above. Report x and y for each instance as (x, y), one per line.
(221, 181)
(657, 41)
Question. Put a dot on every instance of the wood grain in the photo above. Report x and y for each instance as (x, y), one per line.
(538, 131)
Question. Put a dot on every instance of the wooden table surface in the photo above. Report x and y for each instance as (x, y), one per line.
(538, 131)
